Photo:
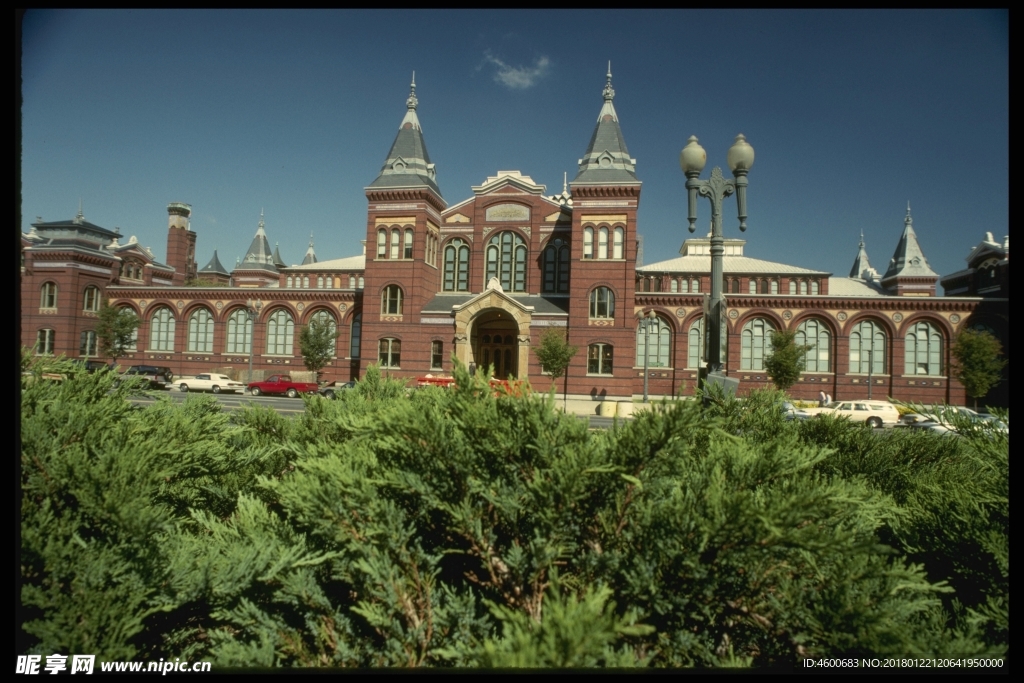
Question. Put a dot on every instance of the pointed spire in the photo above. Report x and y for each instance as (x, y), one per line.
(79, 217)
(259, 255)
(862, 269)
(908, 260)
(607, 160)
(408, 164)
(214, 266)
(565, 182)
(310, 254)
(278, 261)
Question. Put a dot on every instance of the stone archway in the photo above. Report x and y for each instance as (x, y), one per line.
(492, 312)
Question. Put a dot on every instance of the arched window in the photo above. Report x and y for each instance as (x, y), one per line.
(755, 344)
(161, 330)
(200, 331)
(923, 350)
(588, 243)
(360, 284)
(814, 287)
(319, 281)
(289, 283)
(602, 243)
(674, 286)
(305, 282)
(326, 318)
(436, 355)
(408, 244)
(391, 300)
(506, 260)
(735, 286)
(695, 286)
(87, 345)
(280, 333)
(599, 359)
(803, 286)
(356, 336)
(775, 286)
(351, 281)
(91, 299)
(396, 237)
(239, 332)
(695, 344)
(752, 286)
(390, 353)
(48, 295)
(329, 281)
(764, 286)
(556, 267)
(45, 341)
(617, 244)
(867, 349)
(456, 266)
(382, 243)
(815, 334)
(660, 335)
(792, 286)
(684, 286)
(602, 303)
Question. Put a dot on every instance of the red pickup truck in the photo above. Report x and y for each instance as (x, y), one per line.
(282, 384)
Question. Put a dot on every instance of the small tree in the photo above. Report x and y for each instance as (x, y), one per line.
(555, 353)
(116, 329)
(786, 360)
(316, 340)
(977, 362)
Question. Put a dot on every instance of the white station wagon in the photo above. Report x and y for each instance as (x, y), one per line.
(210, 382)
(874, 413)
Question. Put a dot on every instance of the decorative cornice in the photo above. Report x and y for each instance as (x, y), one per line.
(822, 303)
(410, 194)
(605, 191)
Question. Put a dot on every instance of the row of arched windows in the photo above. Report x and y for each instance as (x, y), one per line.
(398, 246)
(505, 257)
(603, 250)
(923, 346)
(691, 285)
(322, 281)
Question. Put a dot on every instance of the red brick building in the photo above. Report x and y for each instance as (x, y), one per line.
(482, 280)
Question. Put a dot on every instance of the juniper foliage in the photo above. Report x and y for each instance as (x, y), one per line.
(467, 527)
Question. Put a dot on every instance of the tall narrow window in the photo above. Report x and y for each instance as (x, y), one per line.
(45, 341)
(305, 282)
(436, 355)
(675, 286)
(360, 283)
(684, 286)
(382, 243)
(792, 286)
(506, 260)
(588, 243)
(351, 281)
(556, 267)
(923, 350)
(91, 299)
(319, 281)
(408, 244)
(87, 346)
(803, 286)
(735, 286)
(814, 287)
(752, 286)
(867, 349)
(695, 344)
(599, 359)
(617, 244)
(289, 283)
(200, 331)
(391, 300)
(324, 317)
(456, 266)
(815, 335)
(775, 286)
(48, 295)
(755, 344)
(695, 286)
(239, 332)
(602, 303)
(390, 353)
(280, 333)
(655, 342)
(602, 243)
(396, 237)
(356, 336)
(764, 286)
(161, 330)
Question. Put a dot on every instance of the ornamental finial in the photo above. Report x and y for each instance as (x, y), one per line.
(908, 220)
(861, 239)
(412, 102)
(609, 92)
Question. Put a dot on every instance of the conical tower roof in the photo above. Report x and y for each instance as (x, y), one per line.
(259, 255)
(408, 164)
(862, 269)
(214, 266)
(607, 160)
(278, 261)
(908, 260)
(310, 254)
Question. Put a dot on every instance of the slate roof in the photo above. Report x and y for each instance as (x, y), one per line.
(607, 160)
(259, 256)
(862, 269)
(408, 163)
(908, 260)
(278, 261)
(214, 266)
(442, 303)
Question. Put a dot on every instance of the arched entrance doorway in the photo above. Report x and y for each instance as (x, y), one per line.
(495, 342)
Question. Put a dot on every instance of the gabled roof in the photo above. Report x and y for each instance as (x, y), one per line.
(214, 266)
(408, 163)
(988, 248)
(607, 160)
(908, 260)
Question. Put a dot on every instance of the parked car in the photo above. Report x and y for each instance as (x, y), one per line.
(90, 366)
(282, 384)
(872, 413)
(331, 390)
(942, 417)
(159, 377)
(211, 382)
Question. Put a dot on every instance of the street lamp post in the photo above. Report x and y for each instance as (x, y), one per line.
(252, 309)
(692, 160)
(646, 321)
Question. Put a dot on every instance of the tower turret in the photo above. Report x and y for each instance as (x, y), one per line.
(181, 243)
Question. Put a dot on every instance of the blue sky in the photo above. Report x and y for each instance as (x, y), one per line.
(851, 115)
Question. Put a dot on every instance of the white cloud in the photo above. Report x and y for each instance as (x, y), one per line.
(518, 77)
